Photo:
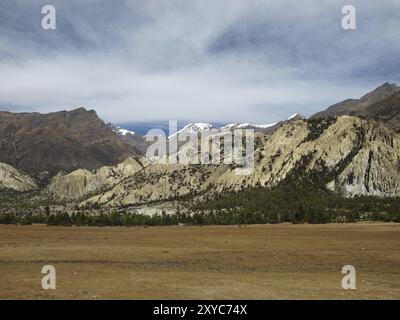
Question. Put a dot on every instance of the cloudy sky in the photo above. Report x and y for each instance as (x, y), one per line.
(253, 61)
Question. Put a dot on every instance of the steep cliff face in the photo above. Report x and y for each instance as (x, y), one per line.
(360, 157)
(386, 111)
(11, 178)
(375, 169)
(349, 147)
(280, 153)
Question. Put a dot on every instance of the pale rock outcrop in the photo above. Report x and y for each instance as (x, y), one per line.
(375, 170)
(160, 182)
(81, 182)
(11, 178)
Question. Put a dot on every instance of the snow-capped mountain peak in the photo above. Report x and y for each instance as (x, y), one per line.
(244, 125)
(229, 126)
(293, 116)
(296, 116)
(247, 125)
(264, 126)
(194, 128)
(122, 131)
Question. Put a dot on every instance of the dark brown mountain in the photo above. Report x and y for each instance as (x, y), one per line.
(136, 141)
(381, 104)
(38, 143)
(387, 111)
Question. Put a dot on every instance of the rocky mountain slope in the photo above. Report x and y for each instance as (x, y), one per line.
(354, 156)
(82, 182)
(137, 142)
(366, 106)
(13, 179)
(350, 155)
(387, 111)
(270, 129)
(65, 140)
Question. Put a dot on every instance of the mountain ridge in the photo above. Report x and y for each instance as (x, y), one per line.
(356, 107)
(43, 144)
(353, 155)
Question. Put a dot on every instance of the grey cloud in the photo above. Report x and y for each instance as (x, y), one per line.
(256, 61)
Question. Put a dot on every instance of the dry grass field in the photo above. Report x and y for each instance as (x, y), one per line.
(219, 262)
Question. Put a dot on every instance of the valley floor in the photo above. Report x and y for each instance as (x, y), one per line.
(216, 262)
